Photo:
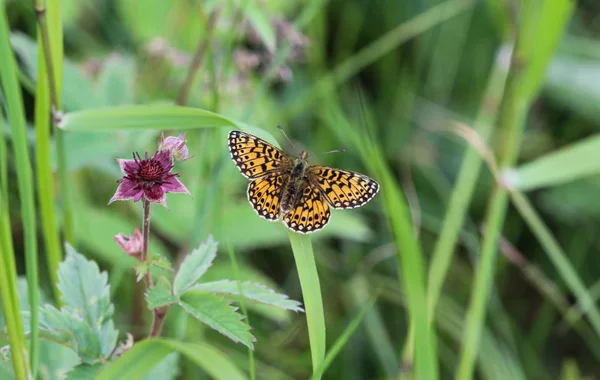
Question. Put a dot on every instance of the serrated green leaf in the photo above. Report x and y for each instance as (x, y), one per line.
(56, 360)
(141, 268)
(162, 263)
(69, 329)
(160, 294)
(194, 266)
(252, 291)
(217, 313)
(84, 372)
(141, 358)
(86, 293)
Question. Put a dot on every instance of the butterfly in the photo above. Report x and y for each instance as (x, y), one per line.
(288, 188)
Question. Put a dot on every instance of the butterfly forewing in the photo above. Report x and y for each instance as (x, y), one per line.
(310, 215)
(255, 157)
(341, 188)
(264, 195)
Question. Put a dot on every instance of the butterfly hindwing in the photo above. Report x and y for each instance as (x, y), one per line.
(343, 189)
(311, 214)
(255, 157)
(264, 196)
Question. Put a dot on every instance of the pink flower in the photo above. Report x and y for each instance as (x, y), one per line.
(148, 178)
(132, 245)
(176, 145)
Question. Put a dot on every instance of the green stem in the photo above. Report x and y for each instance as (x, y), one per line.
(50, 23)
(45, 99)
(146, 238)
(16, 118)
(311, 293)
(197, 59)
(465, 185)
(511, 124)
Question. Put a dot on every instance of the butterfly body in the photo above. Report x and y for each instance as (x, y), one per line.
(291, 193)
(290, 189)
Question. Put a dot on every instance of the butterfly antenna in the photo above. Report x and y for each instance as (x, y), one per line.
(287, 137)
(331, 151)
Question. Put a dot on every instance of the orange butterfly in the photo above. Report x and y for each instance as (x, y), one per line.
(302, 194)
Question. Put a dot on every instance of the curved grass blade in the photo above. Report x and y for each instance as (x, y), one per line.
(142, 357)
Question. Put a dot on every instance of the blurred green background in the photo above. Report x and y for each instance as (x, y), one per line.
(396, 71)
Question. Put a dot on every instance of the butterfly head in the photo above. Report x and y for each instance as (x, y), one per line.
(300, 165)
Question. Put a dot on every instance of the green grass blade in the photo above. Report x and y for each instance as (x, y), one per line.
(140, 359)
(8, 266)
(10, 306)
(343, 339)
(311, 293)
(519, 93)
(157, 116)
(16, 119)
(378, 49)
(465, 185)
(559, 259)
(565, 165)
(409, 257)
(43, 158)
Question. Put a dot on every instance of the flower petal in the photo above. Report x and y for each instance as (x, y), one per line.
(126, 190)
(164, 158)
(155, 194)
(128, 166)
(173, 185)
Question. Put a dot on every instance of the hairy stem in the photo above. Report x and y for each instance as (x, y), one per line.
(158, 317)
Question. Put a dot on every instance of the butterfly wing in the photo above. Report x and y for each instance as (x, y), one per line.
(264, 195)
(255, 157)
(311, 214)
(342, 189)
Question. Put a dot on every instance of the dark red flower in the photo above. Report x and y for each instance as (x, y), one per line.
(148, 178)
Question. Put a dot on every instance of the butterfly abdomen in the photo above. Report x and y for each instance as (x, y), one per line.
(292, 191)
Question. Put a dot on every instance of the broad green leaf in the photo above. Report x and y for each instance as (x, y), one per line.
(217, 313)
(166, 369)
(194, 266)
(56, 360)
(69, 329)
(117, 80)
(143, 356)
(160, 294)
(86, 293)
(564, 165)
(252, 291)
(84, 372)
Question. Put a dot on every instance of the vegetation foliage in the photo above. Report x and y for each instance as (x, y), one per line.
(478, 119)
